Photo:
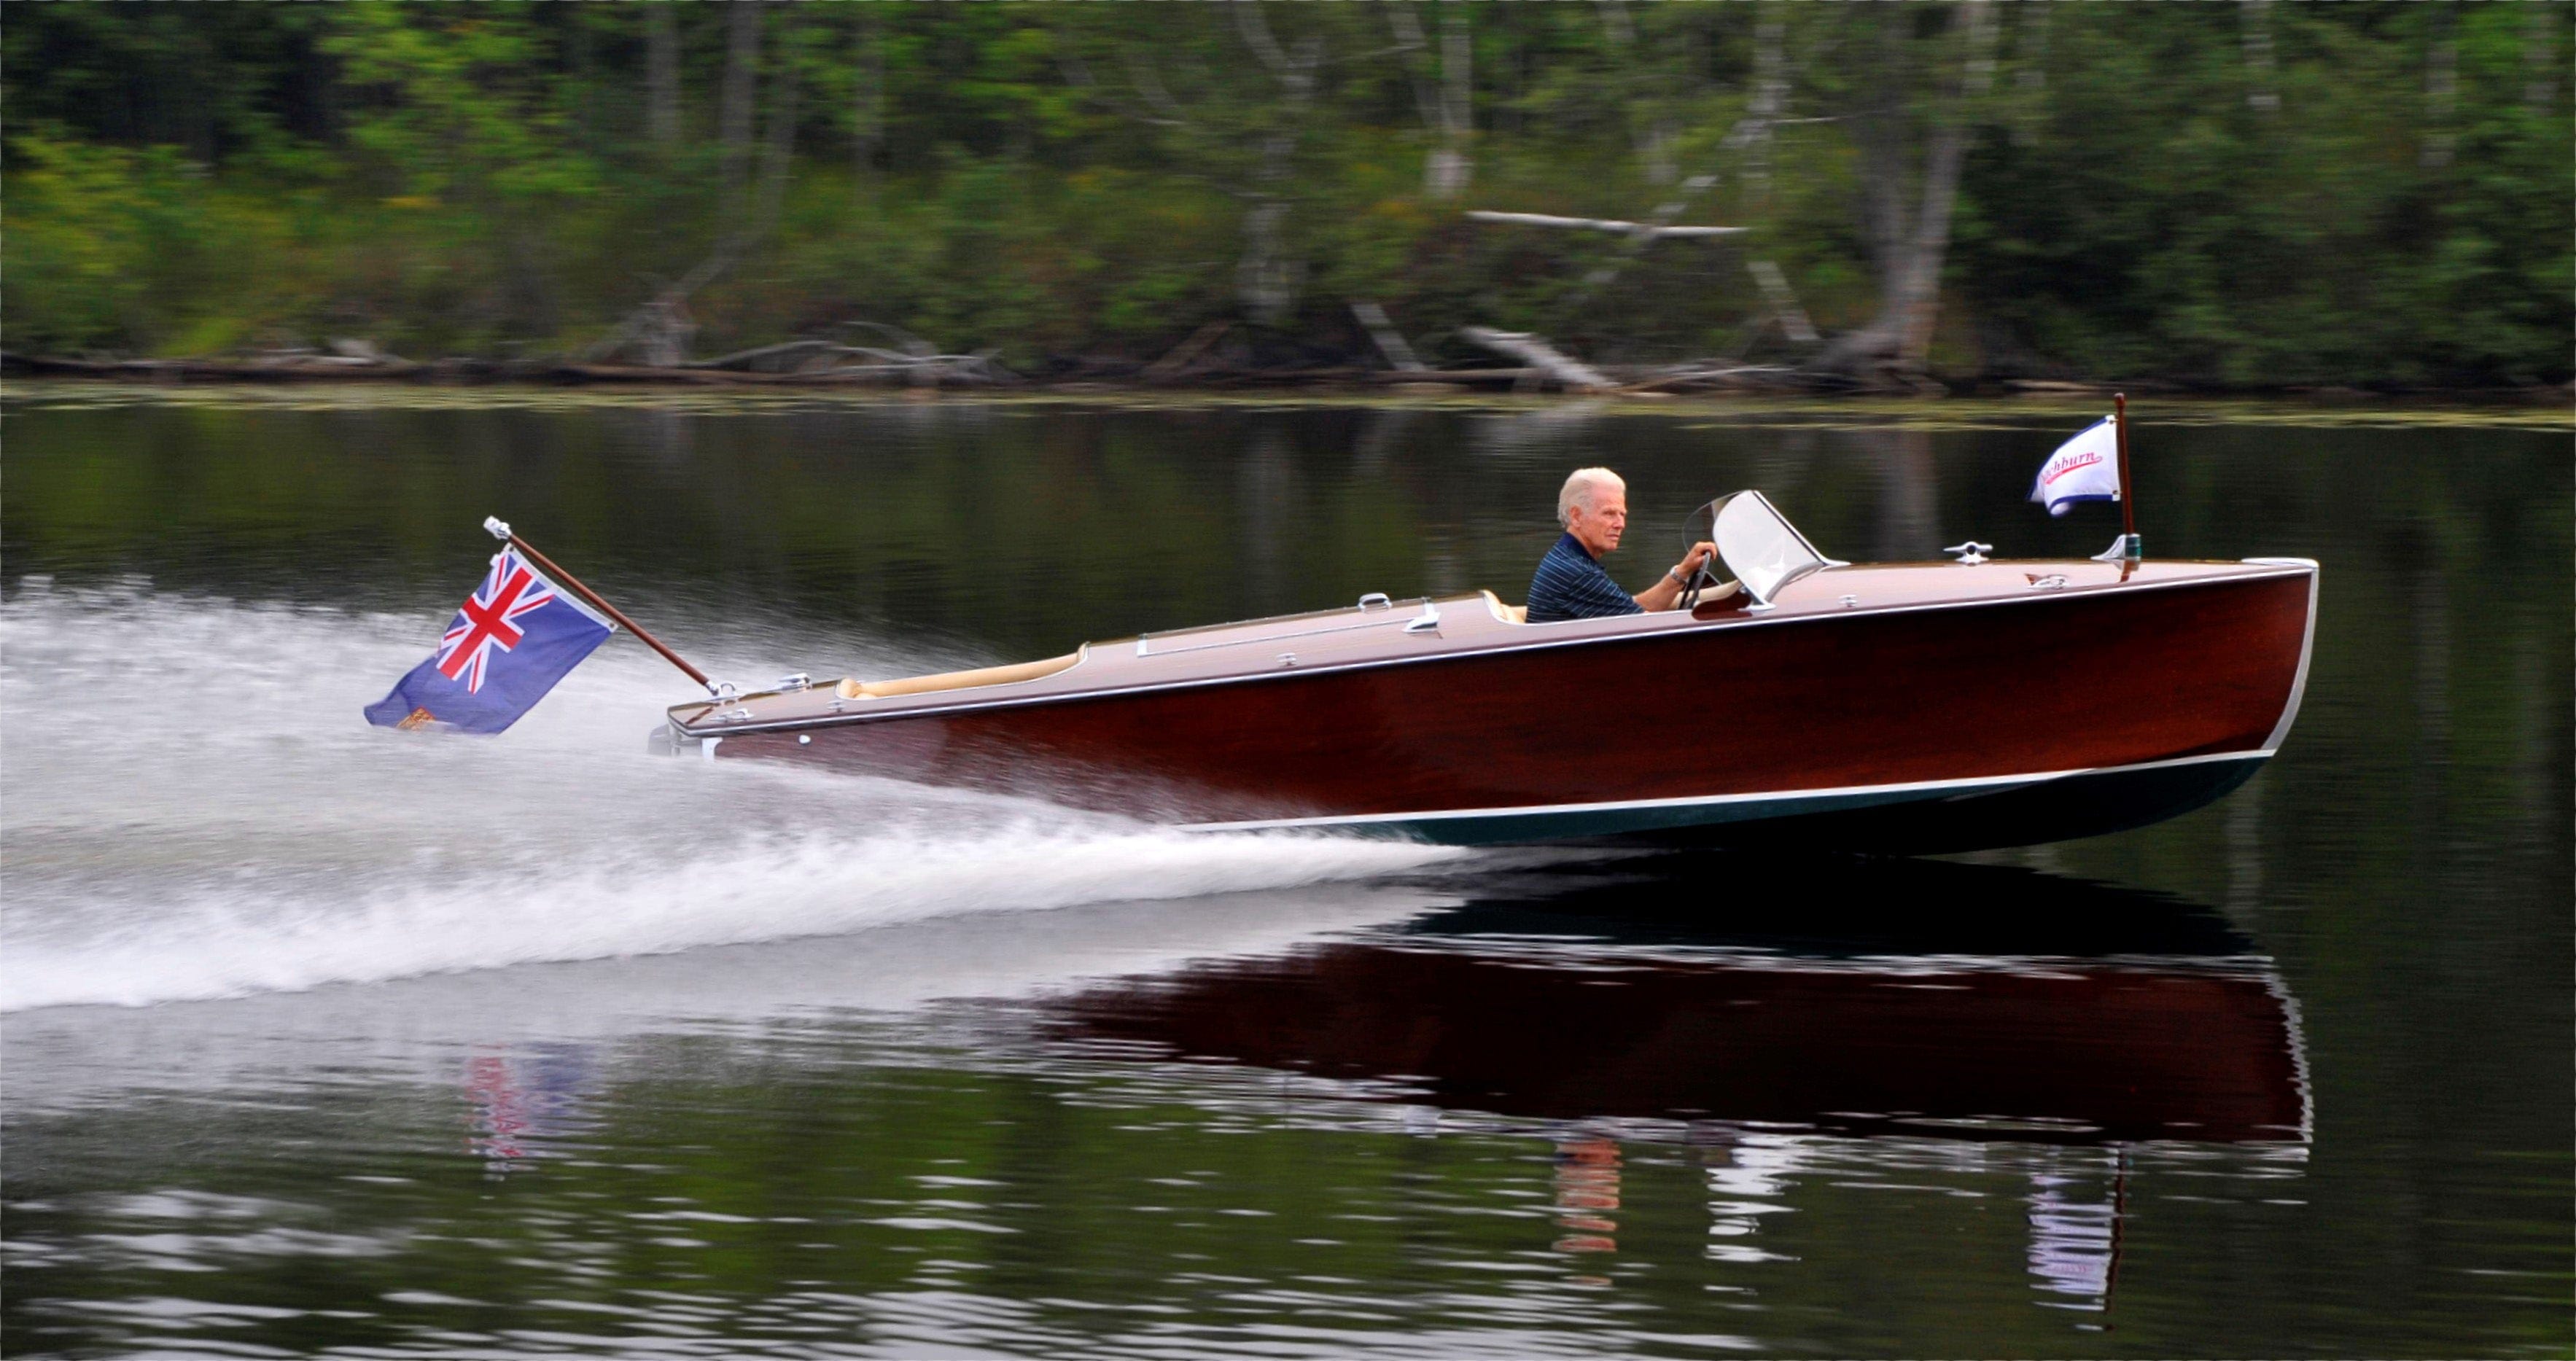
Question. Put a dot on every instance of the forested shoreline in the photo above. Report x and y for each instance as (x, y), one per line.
(1931, 196)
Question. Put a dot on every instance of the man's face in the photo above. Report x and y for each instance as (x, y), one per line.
(1597, 527)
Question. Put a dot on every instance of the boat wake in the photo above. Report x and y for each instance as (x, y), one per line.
(194, 809)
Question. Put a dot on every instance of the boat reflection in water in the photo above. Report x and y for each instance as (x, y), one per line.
(1778, 1021)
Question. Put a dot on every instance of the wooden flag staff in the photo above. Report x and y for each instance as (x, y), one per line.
(2128, 502)
(500, 529)
(2127, 550)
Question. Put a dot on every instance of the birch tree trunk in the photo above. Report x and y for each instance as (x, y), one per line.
(1267, 285)
(1770, 98)
(1450, 167)
(2255, 20)
(1444, 100)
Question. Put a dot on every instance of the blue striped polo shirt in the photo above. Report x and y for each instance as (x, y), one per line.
(1571, 585)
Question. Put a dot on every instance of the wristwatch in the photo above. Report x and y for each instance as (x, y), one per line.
(1677, 578)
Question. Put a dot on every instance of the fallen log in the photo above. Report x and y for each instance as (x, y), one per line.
(757, 357)
(1180, 355)
(1534, 351)
(1390, 341)
(1504, 378)
(317, 367)
(1733, 378)
(1648, 230)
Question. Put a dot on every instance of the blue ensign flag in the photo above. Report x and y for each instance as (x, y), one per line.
(513, 639)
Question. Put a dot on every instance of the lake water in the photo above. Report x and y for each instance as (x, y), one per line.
(318, 1040)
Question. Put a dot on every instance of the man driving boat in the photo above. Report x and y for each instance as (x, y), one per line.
(1569, 584)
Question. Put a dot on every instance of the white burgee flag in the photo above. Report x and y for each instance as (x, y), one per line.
(2085, 468)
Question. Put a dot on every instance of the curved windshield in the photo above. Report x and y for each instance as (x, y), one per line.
(1760, 546)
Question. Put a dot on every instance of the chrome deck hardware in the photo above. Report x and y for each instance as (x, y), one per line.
(1375, 600)
(1970, 553)
(1426, 622)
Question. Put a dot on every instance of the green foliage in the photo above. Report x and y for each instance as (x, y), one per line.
(2381, 199)
(2159, 223)
(109, 246)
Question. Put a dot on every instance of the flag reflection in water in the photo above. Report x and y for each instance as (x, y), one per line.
(1587, 1191)
(526, 1103)
(1748, 1177)
(2074, 1238)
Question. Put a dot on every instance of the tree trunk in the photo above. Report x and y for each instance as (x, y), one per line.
(1911, 247)
(662, 75)
(2540, 26)
(1656, 138)
(2441, 92)
(1931, 245)
(1770, 97)
(2030, 53)
(867, 112)
(1750, 135)
(1444, 102)
(1451, 167)
(578, 55)
(660, 329)
(1266, 284)
(779, 155)
(2256, 32)
(741, 84)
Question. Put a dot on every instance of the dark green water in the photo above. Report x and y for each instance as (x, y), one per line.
(318, 1041)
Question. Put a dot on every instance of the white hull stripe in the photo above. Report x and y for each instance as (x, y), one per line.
(1845, 796)
(2307, 646)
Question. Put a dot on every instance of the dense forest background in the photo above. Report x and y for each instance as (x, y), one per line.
(2247, 195)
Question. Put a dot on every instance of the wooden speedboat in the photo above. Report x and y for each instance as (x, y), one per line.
(1905, 707)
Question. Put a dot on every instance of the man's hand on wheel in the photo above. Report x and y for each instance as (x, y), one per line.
(1698, 557)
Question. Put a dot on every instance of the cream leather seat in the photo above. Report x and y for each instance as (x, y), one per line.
(956, 680)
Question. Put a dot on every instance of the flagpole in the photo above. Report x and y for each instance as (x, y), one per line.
(500, 529)
(2130, 547)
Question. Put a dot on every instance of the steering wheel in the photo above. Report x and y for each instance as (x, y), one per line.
(1705, 575)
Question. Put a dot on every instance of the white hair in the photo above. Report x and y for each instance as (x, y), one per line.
(1580, 486)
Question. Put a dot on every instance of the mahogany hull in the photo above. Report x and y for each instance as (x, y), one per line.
(2011, 719)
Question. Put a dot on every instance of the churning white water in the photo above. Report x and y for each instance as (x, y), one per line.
(191, 807)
